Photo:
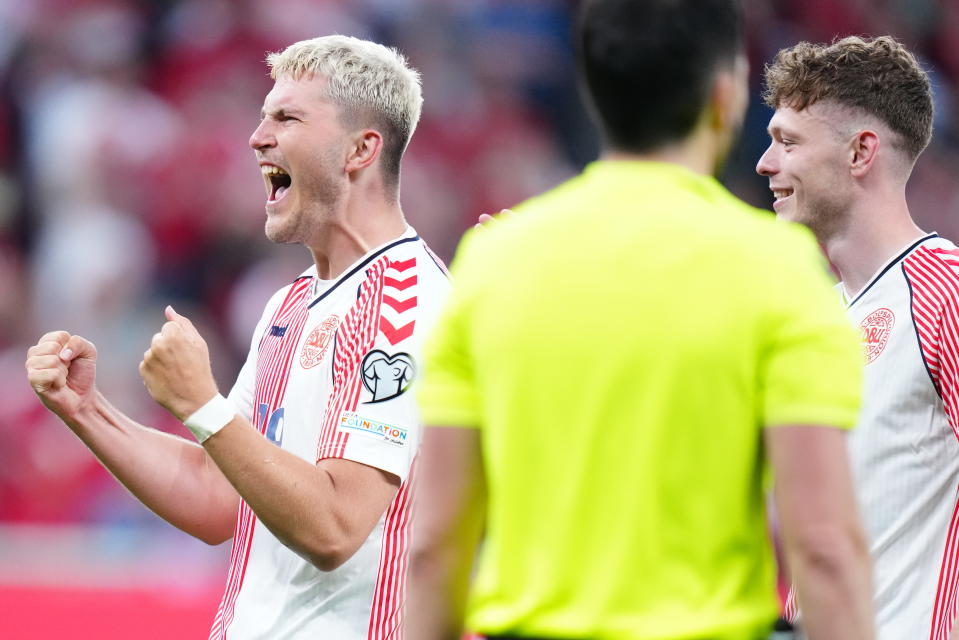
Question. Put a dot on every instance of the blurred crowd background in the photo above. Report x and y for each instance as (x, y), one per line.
(126, 182)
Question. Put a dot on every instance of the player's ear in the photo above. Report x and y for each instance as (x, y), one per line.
(366, 148)
(863, 150)
(730, 95)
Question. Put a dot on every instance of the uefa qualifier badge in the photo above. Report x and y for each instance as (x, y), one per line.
(387, 376)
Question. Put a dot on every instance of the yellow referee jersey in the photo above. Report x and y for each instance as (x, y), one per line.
(620, 343)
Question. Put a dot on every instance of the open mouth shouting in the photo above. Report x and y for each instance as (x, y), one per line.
(277, 182)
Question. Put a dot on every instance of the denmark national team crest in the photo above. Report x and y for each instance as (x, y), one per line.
(876, 328)
(317, 342)
(386, 376)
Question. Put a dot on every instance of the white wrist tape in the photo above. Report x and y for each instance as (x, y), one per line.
(210, 418)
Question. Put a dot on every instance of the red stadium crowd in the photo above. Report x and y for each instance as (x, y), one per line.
(126, 182)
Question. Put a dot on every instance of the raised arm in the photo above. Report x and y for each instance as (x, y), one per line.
(321, 511)
(824, 543)
(173, 477)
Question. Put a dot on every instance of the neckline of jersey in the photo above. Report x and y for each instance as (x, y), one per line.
(409, 235)
(676, 171)
(663, 175)
(886, 267)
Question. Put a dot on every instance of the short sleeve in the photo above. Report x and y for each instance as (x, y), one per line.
(812, 364)
(383, 427)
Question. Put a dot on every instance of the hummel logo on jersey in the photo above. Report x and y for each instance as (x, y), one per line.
(386, 376)
(398, 313)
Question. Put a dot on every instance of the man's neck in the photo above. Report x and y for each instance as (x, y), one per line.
(693, 154)
(352, 233)
(699, 151)
(876, 232)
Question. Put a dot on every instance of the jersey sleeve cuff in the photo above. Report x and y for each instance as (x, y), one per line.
(389, 446)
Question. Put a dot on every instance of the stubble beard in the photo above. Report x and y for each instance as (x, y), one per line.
(826, 217)
(322, 197)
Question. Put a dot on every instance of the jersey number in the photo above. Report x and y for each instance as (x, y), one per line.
(274, 429)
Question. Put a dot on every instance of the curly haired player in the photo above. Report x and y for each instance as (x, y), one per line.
(851, 118)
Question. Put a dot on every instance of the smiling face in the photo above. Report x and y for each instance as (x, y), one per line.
(301, 147)
(807, 167)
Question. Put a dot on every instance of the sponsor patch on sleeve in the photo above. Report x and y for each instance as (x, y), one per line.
(351, 422)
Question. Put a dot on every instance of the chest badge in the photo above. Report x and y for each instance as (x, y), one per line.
(876, 328)
(317, 342)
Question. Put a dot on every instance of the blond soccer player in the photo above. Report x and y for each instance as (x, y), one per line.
(306, 464)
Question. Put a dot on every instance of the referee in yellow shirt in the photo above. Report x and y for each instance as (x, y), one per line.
(621, 364)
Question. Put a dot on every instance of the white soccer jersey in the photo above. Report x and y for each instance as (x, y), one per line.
(904, 451)
(328, 376)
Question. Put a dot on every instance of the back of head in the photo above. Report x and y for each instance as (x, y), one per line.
(876, 76)
(648, 65)
(372, 85)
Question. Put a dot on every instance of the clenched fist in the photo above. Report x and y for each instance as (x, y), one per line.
(176, 367)
(62, 369)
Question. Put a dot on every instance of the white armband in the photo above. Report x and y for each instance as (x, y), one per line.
(210, 418)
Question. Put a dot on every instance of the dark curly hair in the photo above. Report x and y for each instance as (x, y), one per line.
(878, 76)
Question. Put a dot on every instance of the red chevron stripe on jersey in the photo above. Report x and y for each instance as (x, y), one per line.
(404, 321)
(935, 294)
(399, 305)
(403, 265)
(274, 359)
(400, 285)
(393, 334)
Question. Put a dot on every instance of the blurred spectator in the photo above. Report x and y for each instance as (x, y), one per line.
(126, 182)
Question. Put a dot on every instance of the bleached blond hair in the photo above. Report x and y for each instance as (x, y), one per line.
(368, 81)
